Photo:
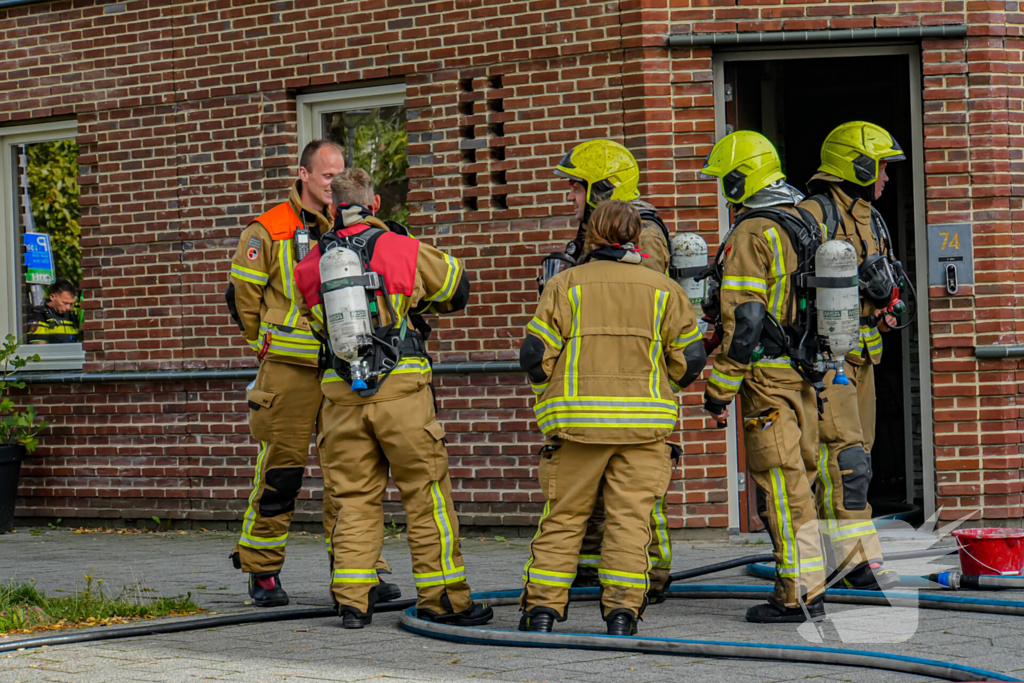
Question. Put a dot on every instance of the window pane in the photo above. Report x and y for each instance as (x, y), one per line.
(374, 140)
(50, 266)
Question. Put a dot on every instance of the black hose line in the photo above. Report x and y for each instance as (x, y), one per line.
(191, 625)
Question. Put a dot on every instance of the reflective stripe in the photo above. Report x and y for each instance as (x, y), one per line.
(603, 411)
(413, 364)
(540, 523)
(871, 339)
(539, 389)
(330, 376)
(549, 578)
(744, 284)
(589, 560)
(841, 532)
(444, 528)
(397, 302)
(725, 381)
(781, 362)
(257, 277)
(287, 260)
(318, 313)
(775, 300)
(451, 279)
(783, 517)
(545, 332)
(355, 576)
(661, 532)
(442, 578)
(571, 380)
(826, 478)
(686, 338)
(610, 577)
(812, 564)
(654, 352)
(248, 539)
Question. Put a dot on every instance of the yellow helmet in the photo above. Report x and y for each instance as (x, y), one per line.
(853, 151)
(607, 169)
(746, 162)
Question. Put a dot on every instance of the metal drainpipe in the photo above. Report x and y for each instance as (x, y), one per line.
(824, 36)
(999, 351)
(459, 368)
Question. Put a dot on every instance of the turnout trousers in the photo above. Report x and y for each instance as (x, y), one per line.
(847, 432)
(358, 444)
(283, 408)
(660, 549)
(780, 434)
(632, 479)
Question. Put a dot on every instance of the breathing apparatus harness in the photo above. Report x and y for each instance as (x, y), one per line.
(557, 261)
(390, 343)
(883, 280)
(799, 340)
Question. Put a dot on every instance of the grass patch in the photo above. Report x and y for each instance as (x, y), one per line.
(24, 608)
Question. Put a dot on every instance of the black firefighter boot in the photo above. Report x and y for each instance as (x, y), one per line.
(871, 577)
(621, 622)
(477, 614)
(773, 612)
(539, 620)
(352, 617)
(266, 591)
(386, 592)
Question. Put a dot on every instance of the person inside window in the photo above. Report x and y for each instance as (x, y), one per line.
(55, 322)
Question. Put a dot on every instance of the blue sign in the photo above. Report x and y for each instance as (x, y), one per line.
(39, 268)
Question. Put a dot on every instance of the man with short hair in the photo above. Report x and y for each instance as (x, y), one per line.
(55, 321)
(284, 401)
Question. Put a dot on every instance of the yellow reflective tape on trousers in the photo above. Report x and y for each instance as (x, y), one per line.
(610, 577)
(256, 277)
(725, 381)
(654, 385)
(661, 531)
(540, 523)
(549, 578)
(545, 332)
(775, 299)
(744, 284)
(589, 560)
(784, 520)
(442, 578)
(248, 539)
(826, 479)
(355, 576)
(854, 530)
(444, 527)
(571, 380)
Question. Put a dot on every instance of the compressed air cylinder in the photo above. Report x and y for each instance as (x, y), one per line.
(346, 310)
(838, 306)
(689, 250)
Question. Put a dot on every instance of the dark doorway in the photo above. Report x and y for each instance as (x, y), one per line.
(795, 103)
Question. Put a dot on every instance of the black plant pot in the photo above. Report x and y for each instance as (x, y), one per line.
(10, 472)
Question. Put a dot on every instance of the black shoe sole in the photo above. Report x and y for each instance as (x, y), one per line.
(463, 621)
(353, 623)
(387, 593)
(270, 603)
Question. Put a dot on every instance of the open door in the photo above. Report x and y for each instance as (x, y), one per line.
(795, 101)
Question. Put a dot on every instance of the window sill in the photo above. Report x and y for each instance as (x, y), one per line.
(52, 357)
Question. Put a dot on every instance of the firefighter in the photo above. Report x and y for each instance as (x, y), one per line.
(852, 175)
(758, 262)
(55, 321)
(284, 401)
(599, 170)
(378, 410)
(610, 343)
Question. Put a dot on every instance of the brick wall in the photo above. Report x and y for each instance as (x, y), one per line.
(187, 128)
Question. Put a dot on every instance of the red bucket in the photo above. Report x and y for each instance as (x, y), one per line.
(997, 552)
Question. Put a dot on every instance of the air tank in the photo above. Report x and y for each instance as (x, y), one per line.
(838, 305)
(346, 310)
(690, 251)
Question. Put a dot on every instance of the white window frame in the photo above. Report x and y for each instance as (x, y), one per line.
(52, 356)
(312, 105)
